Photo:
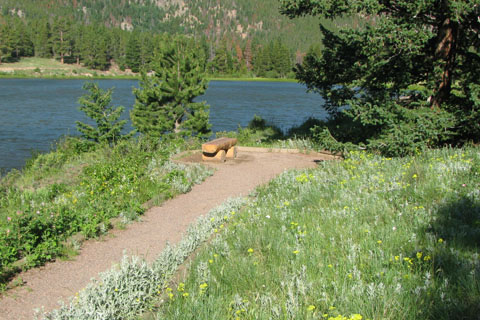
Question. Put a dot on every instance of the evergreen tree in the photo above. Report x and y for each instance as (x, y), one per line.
(95, 48)
(263, 61)
(164, 104)
(248, 55)
(409, 75)
(280, 58)
(6, 42)
(77, 42)
(62, 38)
(97, 106)
(119, 40)
(147, 48)
(42, 39)
(132, 53)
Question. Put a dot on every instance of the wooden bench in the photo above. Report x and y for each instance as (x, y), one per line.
(219, 149)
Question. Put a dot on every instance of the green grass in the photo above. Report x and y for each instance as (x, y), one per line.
(372, 237)
(45, 68)
(250, 79)
(82, 189)
(53, 69)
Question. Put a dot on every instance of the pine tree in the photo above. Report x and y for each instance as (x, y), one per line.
(164, 104)
(263, 61)
(77, 42)
(248, 55)
(281, 59)
(42, 39)
(6, 42)
(409, 75)
(62, 38)
(132, 53)
(97, 106)
(95, 48)
(22, 44)
(222, 63)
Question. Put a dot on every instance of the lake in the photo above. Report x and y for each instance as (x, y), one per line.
(34, 113)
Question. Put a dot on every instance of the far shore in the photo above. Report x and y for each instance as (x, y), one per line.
(42, 68)
(134, 77)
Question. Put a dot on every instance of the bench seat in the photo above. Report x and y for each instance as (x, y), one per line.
(219, 149)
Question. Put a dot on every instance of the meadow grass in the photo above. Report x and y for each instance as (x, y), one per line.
(33, 67)
(365, 238)
(249, 79)
(45, 68)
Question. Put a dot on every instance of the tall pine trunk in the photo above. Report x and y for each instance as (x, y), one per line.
(61, 47)
(445, 52)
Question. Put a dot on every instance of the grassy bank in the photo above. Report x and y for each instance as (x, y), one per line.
(80, 191)
(365, 238)
(249, 79)
(43, 68)
(370, 238)
(53, 69)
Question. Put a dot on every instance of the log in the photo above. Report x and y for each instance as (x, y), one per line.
(219, 156)
(218, 144)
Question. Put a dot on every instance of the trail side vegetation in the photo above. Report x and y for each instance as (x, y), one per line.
(369, 237)
(365, 238)
(80, 191)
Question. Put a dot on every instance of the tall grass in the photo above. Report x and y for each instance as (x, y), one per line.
(366, 238)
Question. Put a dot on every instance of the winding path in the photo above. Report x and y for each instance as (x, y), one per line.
(56, 281)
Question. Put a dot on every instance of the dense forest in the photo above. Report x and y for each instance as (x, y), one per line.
(237, 37)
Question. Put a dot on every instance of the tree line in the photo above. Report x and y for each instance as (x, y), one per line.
(98, 47)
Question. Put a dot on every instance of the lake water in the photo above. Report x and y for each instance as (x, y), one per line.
(34, 113)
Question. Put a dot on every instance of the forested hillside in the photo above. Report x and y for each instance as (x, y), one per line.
(213, 19)
(238, 36)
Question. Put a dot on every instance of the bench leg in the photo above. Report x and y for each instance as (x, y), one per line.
(232, 153)
(219, 156)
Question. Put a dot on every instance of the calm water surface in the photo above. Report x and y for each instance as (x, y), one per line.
(34, 113)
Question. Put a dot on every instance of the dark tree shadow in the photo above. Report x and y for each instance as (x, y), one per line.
(456, 260)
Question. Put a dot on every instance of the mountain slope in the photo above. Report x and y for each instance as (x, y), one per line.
(213, 19)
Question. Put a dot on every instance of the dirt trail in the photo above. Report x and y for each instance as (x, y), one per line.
(59, 280)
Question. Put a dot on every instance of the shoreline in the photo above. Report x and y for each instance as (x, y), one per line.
(126, 77)
(45, 68)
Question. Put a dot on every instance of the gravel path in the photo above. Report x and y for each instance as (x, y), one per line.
(56, 281)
